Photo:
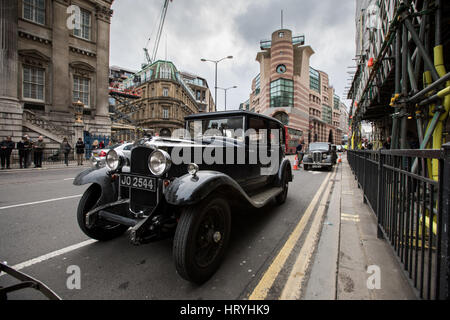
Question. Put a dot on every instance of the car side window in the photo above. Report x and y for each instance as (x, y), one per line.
(257, 131)
(275, 134)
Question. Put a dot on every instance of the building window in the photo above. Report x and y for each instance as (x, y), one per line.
(34, 10)
(85, 26)
(281, 93)
(326, 114)
(282, 117)
(165, 113)
(280, 34)
(81, 90)
(165, 72)
(33, 83)
(314, 80)
(165, 92)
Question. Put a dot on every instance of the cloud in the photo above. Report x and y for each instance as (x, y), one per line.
(198, 29)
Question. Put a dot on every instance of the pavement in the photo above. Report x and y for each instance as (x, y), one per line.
(350, 262)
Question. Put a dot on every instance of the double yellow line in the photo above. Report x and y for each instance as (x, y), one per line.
(262, 289)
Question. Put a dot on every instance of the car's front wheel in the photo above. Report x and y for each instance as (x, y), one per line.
(201, 239)
(101, 231)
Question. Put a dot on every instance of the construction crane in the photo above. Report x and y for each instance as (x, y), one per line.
(162, 18)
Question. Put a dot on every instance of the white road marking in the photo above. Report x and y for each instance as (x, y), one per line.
(52, 255)
(39, 202)
(69, 179)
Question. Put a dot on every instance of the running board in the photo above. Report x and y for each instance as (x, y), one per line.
(261, 199)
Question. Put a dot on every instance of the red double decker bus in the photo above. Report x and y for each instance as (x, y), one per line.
(293, 137)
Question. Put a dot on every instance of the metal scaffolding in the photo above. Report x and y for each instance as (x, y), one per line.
(401, 84)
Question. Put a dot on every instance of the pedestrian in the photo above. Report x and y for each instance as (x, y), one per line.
(95, 145)
(80, 151)
(299, 150)
(101, 145)
(21, 149)
(28, 149)
(38, 148)
(387, 143)
(65, 148)
(7, 146)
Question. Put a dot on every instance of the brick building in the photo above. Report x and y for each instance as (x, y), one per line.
(289, 89)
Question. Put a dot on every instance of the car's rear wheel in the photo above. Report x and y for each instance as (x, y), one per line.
(101, 231)
(306, 167)
(201, 239)
(281, 198)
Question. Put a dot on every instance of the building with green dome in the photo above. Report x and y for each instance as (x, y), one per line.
(167, 96)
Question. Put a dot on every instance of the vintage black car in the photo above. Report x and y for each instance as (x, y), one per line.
(171, 186)
(320, 154)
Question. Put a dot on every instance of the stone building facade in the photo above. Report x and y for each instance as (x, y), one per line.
(289, 89)
(48, 63)
(167, 96)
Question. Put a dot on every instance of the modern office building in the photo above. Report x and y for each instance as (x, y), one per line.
(47, 64)
(289, 89)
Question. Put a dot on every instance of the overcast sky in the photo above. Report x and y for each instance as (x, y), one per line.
(214, 29)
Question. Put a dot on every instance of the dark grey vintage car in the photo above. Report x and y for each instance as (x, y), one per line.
(320, 154)
(170, 186)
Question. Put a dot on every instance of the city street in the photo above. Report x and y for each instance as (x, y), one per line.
(38, 220)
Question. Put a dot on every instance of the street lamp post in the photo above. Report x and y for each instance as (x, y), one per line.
(226, 89)
(215, 84)
(79, 107)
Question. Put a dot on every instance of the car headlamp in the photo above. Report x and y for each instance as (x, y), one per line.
(159, 162)
(113, 160)
(192, 168)
(324, 156)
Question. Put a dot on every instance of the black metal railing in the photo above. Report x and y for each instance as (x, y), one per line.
(409, 191)
(49, 157)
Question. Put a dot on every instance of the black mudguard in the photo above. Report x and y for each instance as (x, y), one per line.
(285, 165)
(188, 189)
(101, 178)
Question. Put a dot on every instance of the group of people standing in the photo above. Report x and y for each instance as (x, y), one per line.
(26, 148)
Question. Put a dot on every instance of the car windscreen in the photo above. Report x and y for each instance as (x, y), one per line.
(318, 147)
(230, 127)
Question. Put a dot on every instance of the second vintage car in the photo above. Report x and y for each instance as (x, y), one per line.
(170, 187)
(320, 155)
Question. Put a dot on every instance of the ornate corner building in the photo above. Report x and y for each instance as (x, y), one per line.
(288, 89)
(47, 63)
(166, 97)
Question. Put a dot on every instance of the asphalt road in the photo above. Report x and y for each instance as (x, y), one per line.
(38, 217)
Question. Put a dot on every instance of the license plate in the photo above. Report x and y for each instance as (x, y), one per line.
(137, 182)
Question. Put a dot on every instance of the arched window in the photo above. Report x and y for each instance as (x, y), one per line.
(282, 116)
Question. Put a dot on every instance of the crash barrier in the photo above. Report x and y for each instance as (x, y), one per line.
(412, 210)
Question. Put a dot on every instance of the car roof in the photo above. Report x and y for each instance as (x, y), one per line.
(230, 113)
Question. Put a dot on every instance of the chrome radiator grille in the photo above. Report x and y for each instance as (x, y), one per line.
(317, 156)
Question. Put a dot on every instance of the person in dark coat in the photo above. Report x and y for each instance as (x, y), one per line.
(21, 148)
(299, 150)
(28, 145)
(65, 148)
(38, 148)
(80, 151)
(387, 143)
(6, 146)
